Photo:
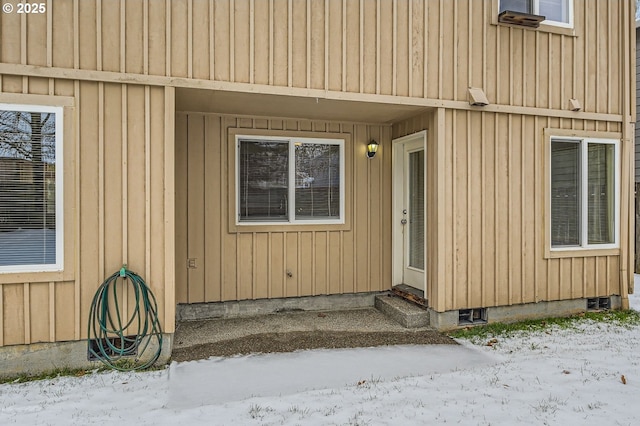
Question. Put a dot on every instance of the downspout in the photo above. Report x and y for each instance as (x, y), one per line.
(628, 87)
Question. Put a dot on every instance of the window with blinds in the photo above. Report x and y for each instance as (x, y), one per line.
(30, 188)
(565, 193)
(290, 180)
(584, 200)
(317, 185)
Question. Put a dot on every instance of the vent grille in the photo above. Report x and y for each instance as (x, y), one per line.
(113, 347)
(472, 316)
(599, 304)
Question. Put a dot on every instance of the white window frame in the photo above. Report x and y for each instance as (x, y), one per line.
(584, 202)
(291, 176)
(536, 11)
(59, 207)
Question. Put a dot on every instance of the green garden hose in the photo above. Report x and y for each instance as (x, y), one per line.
(118, 341)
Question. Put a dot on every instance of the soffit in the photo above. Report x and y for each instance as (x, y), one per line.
(268, 105)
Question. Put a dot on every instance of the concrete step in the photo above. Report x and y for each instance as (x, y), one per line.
(405, 313)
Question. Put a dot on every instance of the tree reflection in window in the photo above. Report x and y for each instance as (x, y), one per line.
(264, 171)
(289, 180)
(317, 181)
(28, 189)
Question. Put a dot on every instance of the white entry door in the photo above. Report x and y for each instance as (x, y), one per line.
(409, 204)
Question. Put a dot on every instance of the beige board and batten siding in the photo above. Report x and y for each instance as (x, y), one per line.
(117, 167)
(253, 263)
(432, 49)
(410, 50)
(487, 245)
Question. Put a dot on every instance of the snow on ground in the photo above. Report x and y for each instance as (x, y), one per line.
(558, 377)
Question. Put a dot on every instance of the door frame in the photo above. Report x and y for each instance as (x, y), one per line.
(397, 251)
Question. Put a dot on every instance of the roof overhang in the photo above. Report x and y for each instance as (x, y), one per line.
(284, 106)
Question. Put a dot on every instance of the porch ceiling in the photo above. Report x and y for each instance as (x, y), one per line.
(268, 105)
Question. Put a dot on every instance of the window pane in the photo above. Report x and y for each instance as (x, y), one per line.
(516, 5)
(565, 193)
(317, 181)
(263, 180)
(601, 194)
(416, 209)
(555, 10)
(27, 189)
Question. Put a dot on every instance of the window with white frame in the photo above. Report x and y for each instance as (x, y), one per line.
(584, 193)
(30, 188)
(556, 12)
(289, 180)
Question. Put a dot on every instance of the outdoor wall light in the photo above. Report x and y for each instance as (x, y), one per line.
(372, 148)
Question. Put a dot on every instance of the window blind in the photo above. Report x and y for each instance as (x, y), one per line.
(317, 181)
(290, 180)
(27, 188)
(264, 180)
(600, 193)
(565, 193)
(525, 6)
(416, 209)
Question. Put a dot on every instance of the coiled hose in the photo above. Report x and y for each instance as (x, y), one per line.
(109, 338)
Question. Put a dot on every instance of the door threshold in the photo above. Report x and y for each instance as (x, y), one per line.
(410, 294)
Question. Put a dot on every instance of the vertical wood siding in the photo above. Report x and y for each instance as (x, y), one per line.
(253, 265)
(482, 191)
(432, 48)
(493, 209)
(120, 195)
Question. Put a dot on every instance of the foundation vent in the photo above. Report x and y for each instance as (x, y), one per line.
(113, 347)
(474, 316)
(599, 304)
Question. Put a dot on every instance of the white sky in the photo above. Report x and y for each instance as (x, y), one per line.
(563, 377)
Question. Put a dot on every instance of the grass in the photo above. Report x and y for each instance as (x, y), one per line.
(66, 372)
(51, 374)
(628, 318)
(258, 412)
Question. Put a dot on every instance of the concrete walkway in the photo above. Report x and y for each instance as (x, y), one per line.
(221, 380)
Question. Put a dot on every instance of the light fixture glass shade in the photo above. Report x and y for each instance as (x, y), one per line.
(372, 148)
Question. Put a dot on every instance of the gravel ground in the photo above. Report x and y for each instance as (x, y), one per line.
(288, 332)
(299, 340)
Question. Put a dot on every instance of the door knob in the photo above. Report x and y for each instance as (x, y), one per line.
(403, 221)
